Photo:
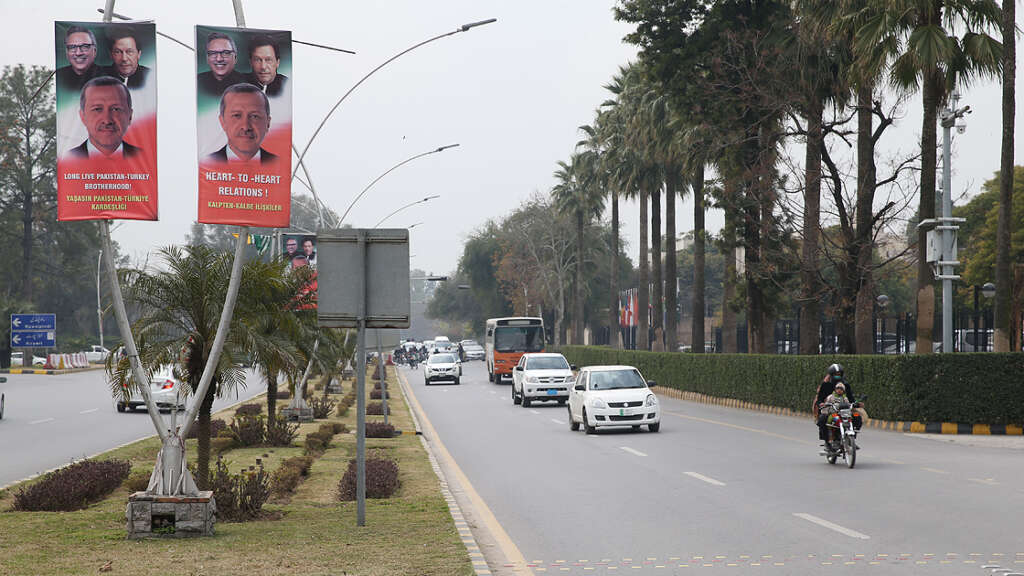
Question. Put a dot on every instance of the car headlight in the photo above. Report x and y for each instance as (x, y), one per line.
(597, 403)
(652, 400)
(532, 379)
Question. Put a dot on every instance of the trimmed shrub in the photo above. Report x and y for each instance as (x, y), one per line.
(923, 388)
(221, 444)
(284, 480)
(283, 394)
(378, 394)
(302, 463)
(342, 408)
(249, 410)
(281, 433)
(137, 481)
(375, 409)
(381, 479)
(241, 496)
(248, 430)
(217, 426)
(321, 406)
(379, 430)
(339, 428)
(73, 487)
(313, 445)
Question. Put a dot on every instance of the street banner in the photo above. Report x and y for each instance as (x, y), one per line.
(300, 250)
(244, 125)
(106, 120)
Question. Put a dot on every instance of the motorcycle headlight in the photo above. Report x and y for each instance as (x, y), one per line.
(598, 403)
(652, 400)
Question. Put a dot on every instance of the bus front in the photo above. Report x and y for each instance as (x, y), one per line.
(511, 339)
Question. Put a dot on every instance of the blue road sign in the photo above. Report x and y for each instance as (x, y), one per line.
(33, 322)
(34, 339)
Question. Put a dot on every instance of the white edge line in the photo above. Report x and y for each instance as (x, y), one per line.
(704, 478)
(826, 524)
(632, 451)
(534, 412)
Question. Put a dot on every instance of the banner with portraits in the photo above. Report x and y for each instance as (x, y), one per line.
(300, 250)
(244, 125)
(106, 120)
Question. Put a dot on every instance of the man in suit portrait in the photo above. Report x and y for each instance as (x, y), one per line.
(265, 58)
(125, 55)
(80, 46)
(245, 119)
(221, 55)
(105, 108)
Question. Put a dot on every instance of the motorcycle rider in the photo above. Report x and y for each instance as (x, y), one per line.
(828, 386)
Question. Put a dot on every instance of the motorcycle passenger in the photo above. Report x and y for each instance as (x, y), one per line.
(825, 390)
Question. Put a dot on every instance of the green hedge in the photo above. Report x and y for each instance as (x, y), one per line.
(964, 388)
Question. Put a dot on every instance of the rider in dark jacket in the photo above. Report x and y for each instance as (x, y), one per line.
(827, 386)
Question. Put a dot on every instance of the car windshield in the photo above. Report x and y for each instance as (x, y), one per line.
(616, 379)
(547, 363)
(441, 359)
(519, 338)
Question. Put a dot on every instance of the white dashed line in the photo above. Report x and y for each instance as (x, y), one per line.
(557, 421)
(704, 478)
(43, 421)
(826, 524)
(934, 470)
(632, 451)
(986, 481)
(534, 412)
(89, 411)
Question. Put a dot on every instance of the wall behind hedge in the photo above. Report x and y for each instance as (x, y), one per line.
(964, 388)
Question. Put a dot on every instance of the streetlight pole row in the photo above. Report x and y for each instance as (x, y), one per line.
(388, 171)
(410, 204)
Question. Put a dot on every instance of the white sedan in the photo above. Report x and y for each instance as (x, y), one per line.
(541, 377)
(612, 396)
(444, 366)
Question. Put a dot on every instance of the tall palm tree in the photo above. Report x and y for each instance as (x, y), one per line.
(575, 193)
(1004, 339)
(934, 45)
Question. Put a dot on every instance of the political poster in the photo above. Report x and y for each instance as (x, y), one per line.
(244, 125)
(300, 250)
(106, 120)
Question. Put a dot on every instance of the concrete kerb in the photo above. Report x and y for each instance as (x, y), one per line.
(48, 371)
(913, 427)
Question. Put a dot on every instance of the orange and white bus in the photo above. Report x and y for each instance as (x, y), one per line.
(507, 340)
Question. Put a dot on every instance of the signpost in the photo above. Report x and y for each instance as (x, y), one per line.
(33, 330)
(364, 283)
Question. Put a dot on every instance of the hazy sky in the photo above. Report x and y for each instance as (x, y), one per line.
(511, 93)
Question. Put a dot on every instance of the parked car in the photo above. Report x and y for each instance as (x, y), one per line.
(539, 376)
(17, 359)
(38, 360)
(167, 390)
(444, 367)
(606, 396)
(97, 354)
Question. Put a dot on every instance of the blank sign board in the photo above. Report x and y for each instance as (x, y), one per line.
(344, 264)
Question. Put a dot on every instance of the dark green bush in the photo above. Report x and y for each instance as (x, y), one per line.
(285, 479)
(313, 445)
(240, 496)
(379, 430)
(966, 388)
(249, 410)
(322, 406)
(281, 433)
(378, 394)
(248, 430)
(381, 479)
(138, 480)
(73, 487)
(375, 409)
(302, 463)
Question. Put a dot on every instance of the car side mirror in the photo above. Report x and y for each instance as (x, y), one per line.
(652, 383)
(579, 388)
(519, 368)
(573, 367)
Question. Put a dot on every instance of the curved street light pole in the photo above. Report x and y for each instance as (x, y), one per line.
(388, 171)
(409, 205)
(463, 28)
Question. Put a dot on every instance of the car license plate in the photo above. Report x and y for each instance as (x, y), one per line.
(622, 412)
(552, 391)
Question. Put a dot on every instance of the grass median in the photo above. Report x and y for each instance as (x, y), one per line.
(307, 532)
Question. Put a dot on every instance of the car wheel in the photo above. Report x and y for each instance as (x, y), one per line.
(586, 425)
(457, 381)
(515, 398)
(654, 427)
(525, 400)
(490, 376)
(573, 424)
(120, 407)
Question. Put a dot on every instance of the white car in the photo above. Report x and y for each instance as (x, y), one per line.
(474, 351)
(612, 396)
(442, 367)
(167, 391)
(541, 377)
(96, 354)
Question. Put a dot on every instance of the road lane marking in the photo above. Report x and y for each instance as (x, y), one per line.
(934, 470)
(557, 421)
(704, 478)
(985, 481)
(43, 421)
(831, 526)
(632, 451)
(745, 428)
(534, 412)
(89, 411)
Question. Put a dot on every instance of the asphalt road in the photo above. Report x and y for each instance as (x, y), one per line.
(726, 488)
(50, 420)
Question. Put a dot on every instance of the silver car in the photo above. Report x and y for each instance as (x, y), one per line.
(167, 390)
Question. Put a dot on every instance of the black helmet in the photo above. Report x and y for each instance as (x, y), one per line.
(835, 371)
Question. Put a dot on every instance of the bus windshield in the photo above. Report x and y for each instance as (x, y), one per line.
(519, 338)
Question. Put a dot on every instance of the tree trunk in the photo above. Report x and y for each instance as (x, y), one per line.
(926, 210)
(614, 334)
(27, 189)
(729, 344)
(671, 296)
(560, 313)
(577, 324)
(657, 298)
(271, 376)
(752, 253)
(643, 298)
(697, 187)
(810, 310)
(863, 244)
(203, 438)
(1004, 326)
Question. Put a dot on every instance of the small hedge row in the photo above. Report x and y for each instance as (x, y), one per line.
(73, 487)
(381, 478)
(983, 388)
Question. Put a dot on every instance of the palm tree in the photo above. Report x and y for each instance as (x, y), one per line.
(920, 39)
(1004, 339)
(576, 194)
(597, 142)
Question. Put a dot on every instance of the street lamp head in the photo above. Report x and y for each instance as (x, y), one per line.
(882, 300)
(988, 290)
(429, 198)
(466, 27)
(443, 148)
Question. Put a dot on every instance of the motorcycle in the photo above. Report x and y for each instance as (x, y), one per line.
(843, 442)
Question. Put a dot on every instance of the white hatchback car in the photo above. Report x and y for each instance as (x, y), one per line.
(444, 366)
(612, 396)
(167, 390)
(541, 377)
